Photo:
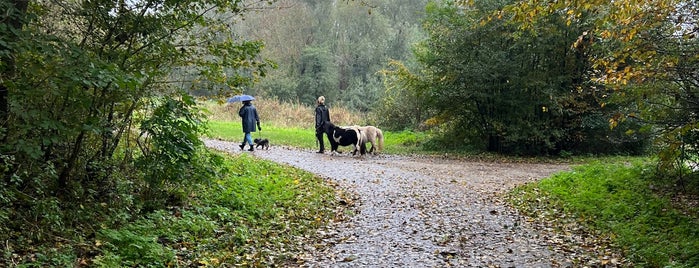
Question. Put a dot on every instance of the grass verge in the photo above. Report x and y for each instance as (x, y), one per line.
(256, 215)
(620, 201)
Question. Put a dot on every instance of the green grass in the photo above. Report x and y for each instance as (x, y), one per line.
(404, 142)
(620, 200)
(255, 215)
(289, 136)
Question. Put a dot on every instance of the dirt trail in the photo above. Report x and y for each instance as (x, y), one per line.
(423, 212)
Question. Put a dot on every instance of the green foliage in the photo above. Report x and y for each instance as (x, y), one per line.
(622, 201)
(352, 40)
(482, 82)
(79, 81)
(133, 249)
(169, 139)
(317, 74)
(171, 154)
(649, 65)
(254, 215)
(402, 105)
(643, 54)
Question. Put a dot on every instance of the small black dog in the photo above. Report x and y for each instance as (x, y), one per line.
(264, 143)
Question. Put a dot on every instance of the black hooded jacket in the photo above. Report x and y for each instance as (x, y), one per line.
(322, 116)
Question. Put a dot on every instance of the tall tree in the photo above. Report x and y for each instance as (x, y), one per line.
(645, 53)
(491, 84)
(318, 75)
(287, 29)
(487, 69)
(95, 98)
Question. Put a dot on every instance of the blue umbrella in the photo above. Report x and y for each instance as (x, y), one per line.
(241, 98)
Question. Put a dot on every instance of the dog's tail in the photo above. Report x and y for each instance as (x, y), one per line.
(379, 137)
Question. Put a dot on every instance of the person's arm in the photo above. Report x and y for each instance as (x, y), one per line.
(317, 118)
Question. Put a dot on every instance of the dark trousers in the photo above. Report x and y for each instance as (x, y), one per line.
(319, 136)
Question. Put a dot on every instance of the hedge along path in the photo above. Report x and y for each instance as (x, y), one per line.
(425, 212)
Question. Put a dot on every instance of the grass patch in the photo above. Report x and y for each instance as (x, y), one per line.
(619, 200)
(288, 136)
(256, 215)
(292, 124)
(404, 142)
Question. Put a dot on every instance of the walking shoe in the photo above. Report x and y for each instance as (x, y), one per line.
(252, 148)
(242, 146)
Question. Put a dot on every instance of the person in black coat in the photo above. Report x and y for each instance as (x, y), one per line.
(322, 116)
(248, 114)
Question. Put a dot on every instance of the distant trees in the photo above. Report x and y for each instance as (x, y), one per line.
(535, 77)
(317, 74)
(357, 39)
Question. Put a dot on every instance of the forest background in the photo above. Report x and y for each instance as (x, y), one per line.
(98, 98)
(544, 80)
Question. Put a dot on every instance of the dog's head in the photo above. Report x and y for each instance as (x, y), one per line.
(257, 140)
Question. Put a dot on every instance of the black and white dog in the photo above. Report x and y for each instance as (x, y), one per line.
(345, 136)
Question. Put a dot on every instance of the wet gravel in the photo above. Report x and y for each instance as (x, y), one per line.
(423, 211)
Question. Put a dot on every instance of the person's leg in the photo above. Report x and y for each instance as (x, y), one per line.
(319, 137)
(248, 138)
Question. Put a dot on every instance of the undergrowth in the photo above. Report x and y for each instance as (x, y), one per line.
(255, 214)
(622, 201)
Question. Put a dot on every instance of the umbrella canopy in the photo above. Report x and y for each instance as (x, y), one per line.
(240, 98)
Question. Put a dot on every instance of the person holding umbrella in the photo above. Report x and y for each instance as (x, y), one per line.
(248, 114)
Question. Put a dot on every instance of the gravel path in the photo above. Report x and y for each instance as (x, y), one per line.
(423, 212)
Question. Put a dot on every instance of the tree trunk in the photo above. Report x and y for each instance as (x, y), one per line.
(70, 165)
